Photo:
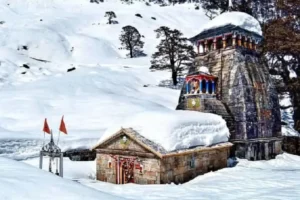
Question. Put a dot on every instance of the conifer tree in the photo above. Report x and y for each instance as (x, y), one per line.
(131, 40)
(174, 52)
(111, 15)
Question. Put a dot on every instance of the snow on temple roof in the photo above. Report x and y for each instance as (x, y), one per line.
(243, 20)
(204, 69)
(176, 130)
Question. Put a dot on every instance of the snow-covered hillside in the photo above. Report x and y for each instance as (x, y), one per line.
(51, 36)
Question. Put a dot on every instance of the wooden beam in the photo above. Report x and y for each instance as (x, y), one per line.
(126, 153)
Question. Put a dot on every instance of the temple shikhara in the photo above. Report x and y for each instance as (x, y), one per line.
(230, 79)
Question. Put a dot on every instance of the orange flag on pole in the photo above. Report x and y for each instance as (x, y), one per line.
(62, 126)
(46, 128)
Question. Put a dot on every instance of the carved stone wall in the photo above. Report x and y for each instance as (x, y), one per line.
(248, 95)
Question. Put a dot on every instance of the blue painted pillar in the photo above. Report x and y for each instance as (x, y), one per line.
(207, 87)
(213, 87)
(200, 81)
(187, 88)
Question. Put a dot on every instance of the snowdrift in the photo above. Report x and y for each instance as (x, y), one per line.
(21, 181)
(176, 130)
(240, 19)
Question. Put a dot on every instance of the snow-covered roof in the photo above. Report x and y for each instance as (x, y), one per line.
(241, 19)
(176, 130)
(204, 69)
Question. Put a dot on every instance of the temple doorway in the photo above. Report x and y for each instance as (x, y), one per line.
(126, 172)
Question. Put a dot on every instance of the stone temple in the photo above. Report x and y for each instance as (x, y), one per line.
(230, 79)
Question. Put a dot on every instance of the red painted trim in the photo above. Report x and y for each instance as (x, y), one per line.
(200, 77)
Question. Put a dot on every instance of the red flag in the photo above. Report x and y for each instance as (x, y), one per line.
(46, 128)
(62, 126)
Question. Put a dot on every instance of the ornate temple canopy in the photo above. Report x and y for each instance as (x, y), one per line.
(232, 29)
(201, 83)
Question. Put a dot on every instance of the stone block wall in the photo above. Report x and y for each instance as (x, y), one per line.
(291, 144)
(246, 90)
(148, 174)
(258, 150)
(180, 168)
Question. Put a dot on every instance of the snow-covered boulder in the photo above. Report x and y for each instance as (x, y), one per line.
(240, 19)
(175, 130)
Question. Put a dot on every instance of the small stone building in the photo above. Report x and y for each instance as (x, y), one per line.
(129, 157)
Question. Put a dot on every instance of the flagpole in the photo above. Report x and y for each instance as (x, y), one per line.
(58, 137)
(44, 139)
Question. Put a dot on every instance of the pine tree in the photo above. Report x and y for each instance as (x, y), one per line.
(282, 47)
(111, 15)
(131, 40)
(173, 53)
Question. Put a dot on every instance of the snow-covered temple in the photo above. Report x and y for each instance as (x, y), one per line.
(186, 145)
(237, 85)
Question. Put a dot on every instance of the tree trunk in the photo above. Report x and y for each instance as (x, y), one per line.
(174, 77)
(131, 53)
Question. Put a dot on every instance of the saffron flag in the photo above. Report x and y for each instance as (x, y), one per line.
(62, 126)
(46, 128)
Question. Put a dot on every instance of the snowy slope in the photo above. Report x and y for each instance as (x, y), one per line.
(51, 36)
(24, 182)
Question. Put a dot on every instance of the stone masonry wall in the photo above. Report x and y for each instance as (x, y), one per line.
(181, 168)
(244, 85)
(150, 173)
(245, 88)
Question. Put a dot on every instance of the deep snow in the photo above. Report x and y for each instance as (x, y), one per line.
(252, 180)
(240, 19)
(106, 87)
(20, 181)
(51, 36)
(176, 130)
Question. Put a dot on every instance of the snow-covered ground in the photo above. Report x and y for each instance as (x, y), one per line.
(20, 181)
(51, 36)
(40, 40)
(275, 180)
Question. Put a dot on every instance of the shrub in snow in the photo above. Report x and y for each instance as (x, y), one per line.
(96, 1)
(111, 15)
(2, 22)
(153, 18)
(26, 66)
(71, 69)
(174, 53)
(127, 1)
(148, 4)
(138, 15)
(131, 40)
(197, 8)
